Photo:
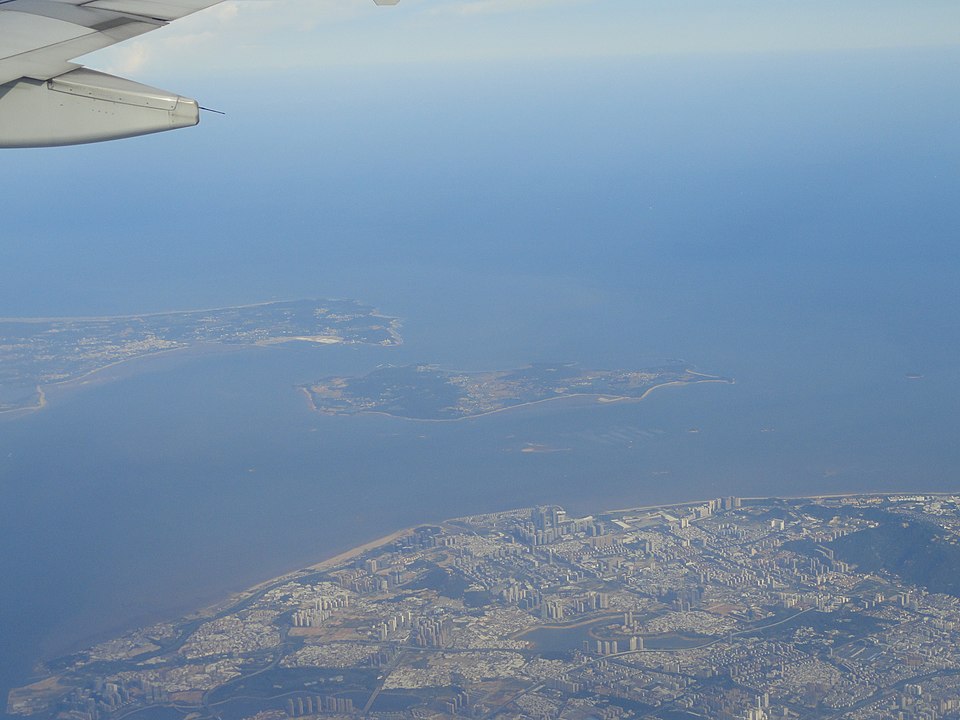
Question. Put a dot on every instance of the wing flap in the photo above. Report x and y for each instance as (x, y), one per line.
(40, 47)
(23, 32)
(38, 38)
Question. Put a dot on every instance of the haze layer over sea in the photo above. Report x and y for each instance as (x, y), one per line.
(787, 221)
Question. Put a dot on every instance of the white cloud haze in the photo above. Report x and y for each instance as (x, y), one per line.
(255, 35)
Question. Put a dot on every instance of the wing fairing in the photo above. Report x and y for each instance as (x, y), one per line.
(46, 100)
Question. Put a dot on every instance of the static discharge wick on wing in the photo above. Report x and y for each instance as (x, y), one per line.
(47, 100)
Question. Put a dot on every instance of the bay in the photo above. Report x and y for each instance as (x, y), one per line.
(787, 221)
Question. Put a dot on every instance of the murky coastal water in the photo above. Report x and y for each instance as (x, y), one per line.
(187, 477)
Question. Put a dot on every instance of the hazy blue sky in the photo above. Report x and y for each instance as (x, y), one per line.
(505, 134)
(295, 35)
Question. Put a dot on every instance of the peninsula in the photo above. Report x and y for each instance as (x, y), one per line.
(426, 392)
(37, 352)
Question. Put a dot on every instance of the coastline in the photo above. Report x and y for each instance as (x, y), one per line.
(599, 397)
(374, 312)
(231, 600)
(40, 404)
(347, 555)
(69, 383)
(360, 550)
(306, 391)
(51, 681)
(323, 564)
(186, 350)
(390, 325)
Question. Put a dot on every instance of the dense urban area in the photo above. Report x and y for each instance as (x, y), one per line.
(829, 607)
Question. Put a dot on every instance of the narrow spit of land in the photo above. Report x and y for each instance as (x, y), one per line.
(39, 352)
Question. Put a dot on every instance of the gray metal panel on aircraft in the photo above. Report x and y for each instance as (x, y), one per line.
(161, 10)
(100, 86)
(86, 106)
(23, 32)
(39, 38)
(51, 61)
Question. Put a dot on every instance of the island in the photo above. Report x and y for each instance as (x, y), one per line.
(38, 352)
(426, 392)
(728, 608)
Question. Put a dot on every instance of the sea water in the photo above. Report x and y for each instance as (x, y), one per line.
(789, 227)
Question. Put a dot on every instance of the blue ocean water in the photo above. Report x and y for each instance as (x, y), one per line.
(786, 221)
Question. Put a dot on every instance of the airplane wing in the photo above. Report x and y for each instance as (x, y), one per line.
(45, 99)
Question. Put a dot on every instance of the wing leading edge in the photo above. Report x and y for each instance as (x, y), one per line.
(47, 100)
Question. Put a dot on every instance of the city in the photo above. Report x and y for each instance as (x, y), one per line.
(726, 608)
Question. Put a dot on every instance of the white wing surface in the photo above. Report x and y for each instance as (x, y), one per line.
(45, 99)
